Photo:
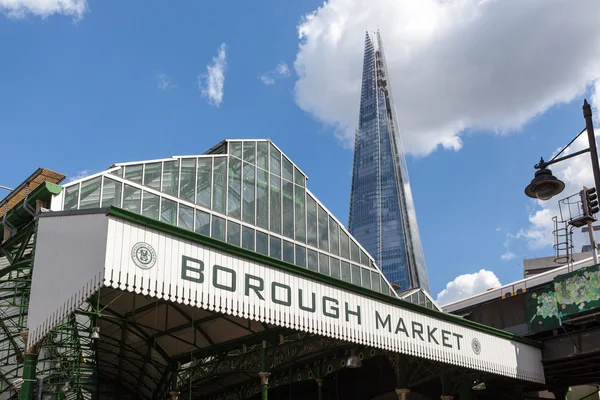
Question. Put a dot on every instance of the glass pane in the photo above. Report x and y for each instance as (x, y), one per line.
(300, 256)
(275, 247)
(364, 259)
(219, 184)
(354, 252)
(152, 174)
(346, 271)
(312, 261)
(355, 274)
(250, 152)
(134, 173)
(375, 281)
(311, 221)
(262, 199)
(324, 264)
(288, 169)
(186, 217)
(111, 193)
(334, 238)
(262, 243)
(275, 157)
(150, 205)
(132, 199)
(168, 211)
(233, 233)
(248, 206)
(300, 215)
(288, 209)
(218, 228)
(202, 223)
(118, 171)
(323, 230)
(344, 245)
(90, 193)
(366, 278)
(383, 285)
(299, 178)
(235, 149)
(203, 181)
(187, 186)
(262, 155)
(248, 238)
(170, 177)
(334, 267)
(235, 188)
(288, 251)
(275, 202)
(71, 197)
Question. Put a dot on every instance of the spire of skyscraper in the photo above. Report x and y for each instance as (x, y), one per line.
(382, 212)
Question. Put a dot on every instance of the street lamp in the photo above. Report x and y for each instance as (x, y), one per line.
(544, 185)
(5, 188)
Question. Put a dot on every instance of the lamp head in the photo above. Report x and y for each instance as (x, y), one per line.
(544, 185)
(353, 361)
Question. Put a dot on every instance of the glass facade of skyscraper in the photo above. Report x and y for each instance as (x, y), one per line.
(382, 212)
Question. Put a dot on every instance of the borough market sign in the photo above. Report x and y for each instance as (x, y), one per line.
(135, 254)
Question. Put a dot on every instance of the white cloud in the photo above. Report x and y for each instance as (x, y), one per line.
(508, 256)
(80, 175)
(212, 83)
(454, 65)
(164, 82)
(43, 8)
(467, 285)
(280, 71)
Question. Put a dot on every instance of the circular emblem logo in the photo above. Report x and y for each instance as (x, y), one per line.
(476, 346)
(143, 255)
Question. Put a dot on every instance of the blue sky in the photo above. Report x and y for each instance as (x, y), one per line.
(83, 88)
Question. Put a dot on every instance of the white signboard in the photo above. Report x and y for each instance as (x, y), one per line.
(154, 263)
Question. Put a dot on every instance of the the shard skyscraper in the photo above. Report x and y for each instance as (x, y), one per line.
(382, 212)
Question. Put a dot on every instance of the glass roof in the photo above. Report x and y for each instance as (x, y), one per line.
(244, 192)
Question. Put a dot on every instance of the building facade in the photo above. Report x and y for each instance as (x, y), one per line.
(382, 212)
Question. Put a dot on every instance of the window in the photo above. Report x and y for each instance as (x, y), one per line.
(355, 274)
(150, 205)
(275, 204)
(134, 173)
(71, 197)
(262, 199)
(366, 278)
(323, 230)
(233, 233)
(250, 152)
(324, 263)
(218, 228)
(299, 178)
(346, 271)
(300, 215)
(168, 211)
(344, 244)
(334, 267)
(312, 260)
(90, 193)
(248, 238)
(235, 188)
(111, 193)
(354, 252)
(170, 183)
(300, 256)
(288, 251)
(186, 217)
(334, 241)
(219, 184)
(375, 282)
(248, 194)
(275, 247)
(235, 149)
(202, 223)
(152, 172)
(288, 209)
(132, 199)
(364, 259)
(262, 243)
(275, 160)
(262, 155)
(311, 221)
(187, 186)
(288, 170)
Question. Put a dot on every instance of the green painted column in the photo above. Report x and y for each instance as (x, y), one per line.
(264, 374)
(319, 388)
(29, 378)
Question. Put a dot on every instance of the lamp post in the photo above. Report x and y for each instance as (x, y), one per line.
(544, 185)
